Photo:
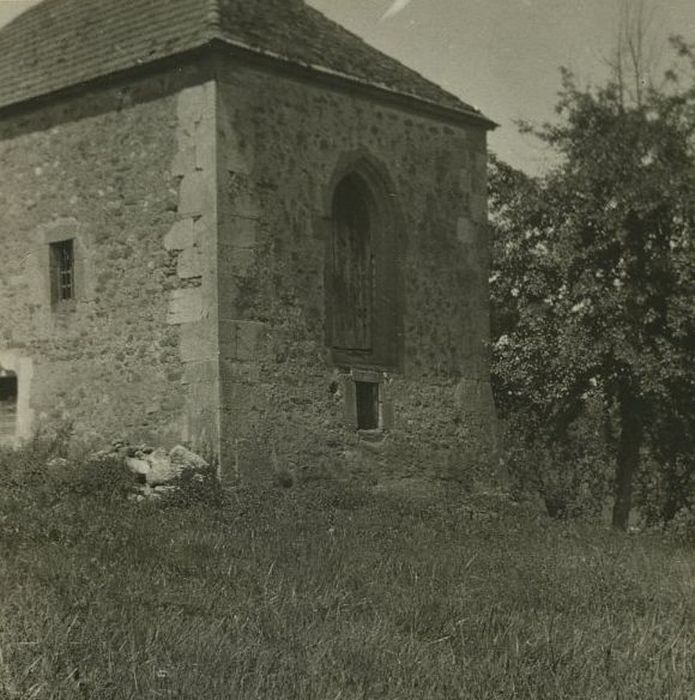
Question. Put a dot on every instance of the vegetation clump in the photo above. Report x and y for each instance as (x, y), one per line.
(592, 287)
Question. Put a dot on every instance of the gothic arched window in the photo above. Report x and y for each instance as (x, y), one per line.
(362, 271)
(352, 267)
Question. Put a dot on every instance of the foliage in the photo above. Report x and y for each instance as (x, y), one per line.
(40, 476)
(682, 525)
(665, 489)
(594, 275)
(572, 477)
(198, 487)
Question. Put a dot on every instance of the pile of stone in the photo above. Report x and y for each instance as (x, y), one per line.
(157, 470)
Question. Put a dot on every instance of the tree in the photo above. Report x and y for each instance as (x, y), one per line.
(634, 56)
(594, 274)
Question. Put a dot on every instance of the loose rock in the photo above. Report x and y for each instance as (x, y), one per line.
(186, 459)
(162, 470)
(155, 470)
(138, 466)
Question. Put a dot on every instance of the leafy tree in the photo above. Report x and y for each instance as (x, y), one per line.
(594, 274)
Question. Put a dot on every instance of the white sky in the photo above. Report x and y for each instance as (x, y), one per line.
(500, 55)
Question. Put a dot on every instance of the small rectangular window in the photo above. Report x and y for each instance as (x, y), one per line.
(367, 399)
(62, 271)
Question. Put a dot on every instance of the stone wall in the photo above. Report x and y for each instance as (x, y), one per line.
(285, 403)
(199, 202)
(126, 171)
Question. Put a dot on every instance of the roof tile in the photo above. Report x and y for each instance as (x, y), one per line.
(60, 43)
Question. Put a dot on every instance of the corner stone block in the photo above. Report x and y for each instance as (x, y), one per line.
(184, 161)
(190, 264)
(185, 306)
(240, 372)
(244, 232)
(236, 261)
(198, 342)
(245, 205)
(208, 114)
(200, 374)
(203, 232)
(190, 105)
(251, 339)
(243, 340)
(194, 193)
(181, 236)
(240, 401)
(205, 150)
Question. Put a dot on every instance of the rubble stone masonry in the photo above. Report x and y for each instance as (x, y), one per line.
(126, 172)
(199, 202)
(283, 143)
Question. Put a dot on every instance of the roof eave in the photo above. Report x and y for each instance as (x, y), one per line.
(345, 80)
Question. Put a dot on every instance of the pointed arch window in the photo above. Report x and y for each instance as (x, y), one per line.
(363, 318)
(352, 267)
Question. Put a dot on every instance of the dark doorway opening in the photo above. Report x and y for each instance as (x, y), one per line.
(367, 398)
(8, 404)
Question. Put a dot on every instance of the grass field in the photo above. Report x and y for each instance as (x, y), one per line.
(323, 592)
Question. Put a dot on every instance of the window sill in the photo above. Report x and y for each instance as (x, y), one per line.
(371, 434)
(368, 361)
(64, 307)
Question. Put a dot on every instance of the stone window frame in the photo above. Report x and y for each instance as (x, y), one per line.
(385, 404)
(389, 250)
(22, 367)
(62, 256)
(57, 232)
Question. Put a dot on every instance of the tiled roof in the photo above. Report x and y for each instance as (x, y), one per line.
(60, 43)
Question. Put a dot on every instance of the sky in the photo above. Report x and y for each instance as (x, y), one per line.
(503, 56)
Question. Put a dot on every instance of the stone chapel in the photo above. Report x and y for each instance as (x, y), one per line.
(232, 223)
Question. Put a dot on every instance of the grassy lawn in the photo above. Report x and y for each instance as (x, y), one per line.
(322, 592)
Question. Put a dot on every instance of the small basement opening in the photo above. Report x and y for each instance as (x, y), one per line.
(367, 398)
(8, 404)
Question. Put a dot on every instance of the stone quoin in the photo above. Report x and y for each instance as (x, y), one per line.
(234, 224)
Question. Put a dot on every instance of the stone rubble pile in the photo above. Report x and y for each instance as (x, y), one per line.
(156, 469)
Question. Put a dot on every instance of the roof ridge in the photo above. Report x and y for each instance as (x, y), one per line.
(213, 17)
